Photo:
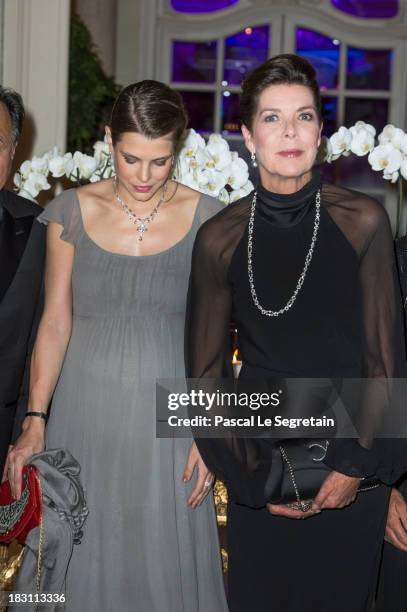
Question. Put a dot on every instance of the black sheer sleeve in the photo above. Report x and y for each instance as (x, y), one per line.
(209, 307)
(208, 351)
(365, 224)
(209, 296)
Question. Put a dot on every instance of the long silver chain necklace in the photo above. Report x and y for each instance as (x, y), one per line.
(276, 313)
(142, 223)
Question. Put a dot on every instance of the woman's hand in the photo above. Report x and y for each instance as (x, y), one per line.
(396, 526)
(287, 512)
(204, 480)
(337, 491)
(31, 441)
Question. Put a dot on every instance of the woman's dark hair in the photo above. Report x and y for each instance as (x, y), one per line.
(286, 69)
(150, 108)
(14, 104)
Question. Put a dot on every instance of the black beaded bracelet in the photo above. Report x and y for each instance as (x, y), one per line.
(42, 415)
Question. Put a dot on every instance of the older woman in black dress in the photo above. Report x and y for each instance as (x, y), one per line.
(339, 323)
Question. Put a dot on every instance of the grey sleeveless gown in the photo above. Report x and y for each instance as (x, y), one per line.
(143, 550)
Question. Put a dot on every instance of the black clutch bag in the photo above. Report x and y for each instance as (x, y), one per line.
(298, 472)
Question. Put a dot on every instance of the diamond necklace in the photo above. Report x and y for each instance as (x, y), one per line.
(276, 313)
(142, 223)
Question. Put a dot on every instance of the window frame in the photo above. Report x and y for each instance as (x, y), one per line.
(159, 25)
(283, 21)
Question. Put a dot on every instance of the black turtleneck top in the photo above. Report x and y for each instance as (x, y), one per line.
(346, 321)
(287, 210)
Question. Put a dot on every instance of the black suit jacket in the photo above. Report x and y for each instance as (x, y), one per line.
(22, 253)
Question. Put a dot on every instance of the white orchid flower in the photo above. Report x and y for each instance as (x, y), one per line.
(188, 179)
(25, 194)
(237, 174)
(200, 176)
(242, 192)
(216, 142)
(25, 169)
(361, 126)
(39, 165)
(69, 164)
(181, 167)
(18, 180)
(397, 139)
(35, 183)
(329, 156)
(223, 196)
(403, 168)
(362, 142)
(57, 165)
(403, 144)
(391, 176)
(202, 159)
(215, 181)
(218, 148)
(385, 157)
(101, 150)
(341, 141)
(222, 159)
(193, 142)
(248, 187)
(54, 152)
(392, 134)
(328, 150)
(386, 134)
(84, 166)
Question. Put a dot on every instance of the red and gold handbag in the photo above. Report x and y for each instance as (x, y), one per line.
(19, 516)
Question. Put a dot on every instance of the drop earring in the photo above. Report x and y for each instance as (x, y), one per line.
(254, 160)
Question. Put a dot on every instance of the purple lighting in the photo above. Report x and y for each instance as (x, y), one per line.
(369, 9)
(194, 62)
(200, 6)
(369, 68)
(200, 106)
(329, 114)
(244, 51)
(323, 53)
(230, 113)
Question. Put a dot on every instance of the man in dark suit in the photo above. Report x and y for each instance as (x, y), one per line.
(22, 252)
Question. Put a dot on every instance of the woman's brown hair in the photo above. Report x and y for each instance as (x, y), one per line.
(286, 69)
(150, 108)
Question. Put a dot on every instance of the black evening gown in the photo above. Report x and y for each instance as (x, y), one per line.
(344, 323)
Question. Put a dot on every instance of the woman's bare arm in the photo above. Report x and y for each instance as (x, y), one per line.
(49, 352)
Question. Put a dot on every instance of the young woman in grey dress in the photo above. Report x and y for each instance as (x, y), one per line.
(114, 322)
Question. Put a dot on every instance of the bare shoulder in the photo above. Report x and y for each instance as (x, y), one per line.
(184, 195)
(95, 196)
(206, 205)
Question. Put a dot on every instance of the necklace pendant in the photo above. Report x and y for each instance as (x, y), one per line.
(142, 228)
(142, 224)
